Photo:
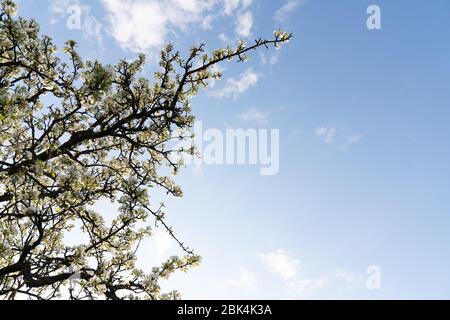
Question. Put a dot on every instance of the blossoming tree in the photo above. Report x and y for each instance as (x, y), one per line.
(106, 135)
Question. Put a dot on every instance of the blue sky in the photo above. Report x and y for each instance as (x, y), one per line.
(363, 118)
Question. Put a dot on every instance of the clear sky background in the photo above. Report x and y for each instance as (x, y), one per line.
(364, 122)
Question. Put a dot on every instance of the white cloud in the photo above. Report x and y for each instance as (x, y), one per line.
(235, 87)
(244, 24)
(245, 280)
(223, 37)
(282, 14)
(230, 6)
(333, 134)
(239, 9)
(58, 8)
(355, 138)
(137, 25)
(282, 264)
(207, 22)
(286, 266)
(351, 139)
(93, 29)
(253, 115)
(327, 133)
(143, 25)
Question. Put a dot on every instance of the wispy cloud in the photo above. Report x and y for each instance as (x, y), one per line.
(282, 14)
(230, 6)
(351, 139)
(244, 24)
(286, 266)
(254, 115)
(207, 22)
(328, 134)
(334, 134)
(224, 38)
(240, 11)
(235, 87)
(245, 280)
(288, 269)
(282, 264)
